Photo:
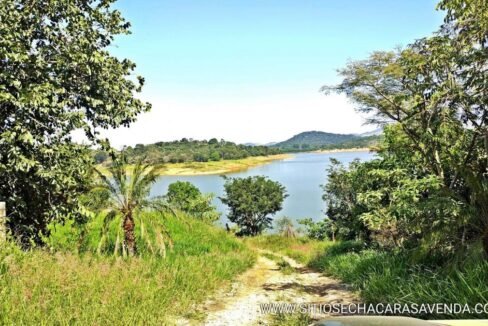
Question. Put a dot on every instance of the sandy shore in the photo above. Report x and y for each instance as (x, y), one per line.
(218, 167)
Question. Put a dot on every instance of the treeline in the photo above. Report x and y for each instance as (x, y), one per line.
(360, 142)
(363, 142)
(189, 150)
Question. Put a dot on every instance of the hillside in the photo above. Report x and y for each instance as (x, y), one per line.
(311, 140)
(189, 150)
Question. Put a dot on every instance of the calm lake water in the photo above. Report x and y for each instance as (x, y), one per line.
(301, 174)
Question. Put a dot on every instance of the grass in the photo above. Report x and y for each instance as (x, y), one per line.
(388, 277)
(301, 249)
(285, 267)
(39, 287)
(393, 277)
(213, 167)
(284, 319)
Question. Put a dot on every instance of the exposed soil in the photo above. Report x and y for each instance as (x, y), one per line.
(267, 283)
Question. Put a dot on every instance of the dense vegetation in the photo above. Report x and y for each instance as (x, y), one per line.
(314, 140)
(418, 212)
(428, 187)
(252, 202)
(75, 286)
(188, 150)
(188, 198)
(56, 76)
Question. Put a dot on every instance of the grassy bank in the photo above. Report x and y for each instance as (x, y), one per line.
(39, 287)
(214, 167)
(393, 277)
(400, 277)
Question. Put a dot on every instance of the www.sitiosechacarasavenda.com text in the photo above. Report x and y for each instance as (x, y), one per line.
(373, 309)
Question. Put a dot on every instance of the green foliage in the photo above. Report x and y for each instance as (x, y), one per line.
(385, 276)
(313, 140)
(251, 201)
(390, 202)
(186, 197)
(64, 236)
(429, 187)
(398, 276)
(181, 193)
(320, 230)
(126, 197)
(90, 289)
(56, 76)
(186, 150)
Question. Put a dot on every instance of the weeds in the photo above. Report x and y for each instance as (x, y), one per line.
(38, 287)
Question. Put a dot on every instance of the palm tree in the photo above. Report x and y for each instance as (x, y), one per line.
(127, 195)
(285, 227)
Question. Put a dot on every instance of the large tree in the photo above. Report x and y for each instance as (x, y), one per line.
(57, 76)
(435, 91)
(186, 197)
(252, 202)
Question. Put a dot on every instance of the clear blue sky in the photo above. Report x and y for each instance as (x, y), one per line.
(250, 70)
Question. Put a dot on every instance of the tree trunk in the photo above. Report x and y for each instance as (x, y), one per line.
(484, 240)
(130, 238)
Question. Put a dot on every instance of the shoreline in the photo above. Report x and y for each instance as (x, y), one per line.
(214, 167)
(219, 167)
(231, 166)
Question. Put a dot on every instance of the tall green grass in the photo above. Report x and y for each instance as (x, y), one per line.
(65, 287)
(400, 277)
(393, 276)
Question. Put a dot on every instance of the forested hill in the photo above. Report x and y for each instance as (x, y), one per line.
(188, 150)
(324, 140)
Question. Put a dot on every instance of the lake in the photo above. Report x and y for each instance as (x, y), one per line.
(302, 174)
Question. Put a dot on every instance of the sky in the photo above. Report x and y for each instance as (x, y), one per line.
(251, 71)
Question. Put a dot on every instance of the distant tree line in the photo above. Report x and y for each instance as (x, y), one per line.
(189, 150)
(354, 142)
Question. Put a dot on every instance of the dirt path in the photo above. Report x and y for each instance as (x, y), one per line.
(267, 283)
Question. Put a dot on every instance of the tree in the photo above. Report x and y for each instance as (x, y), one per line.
(128, 195)
(434, 91)
(186, 197)
(57, 76)
(285, 227)
(251, 201)
(100, 157)
(320, 230)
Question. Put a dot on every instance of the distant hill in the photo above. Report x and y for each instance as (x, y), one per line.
(312, 140)
(375, 132)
